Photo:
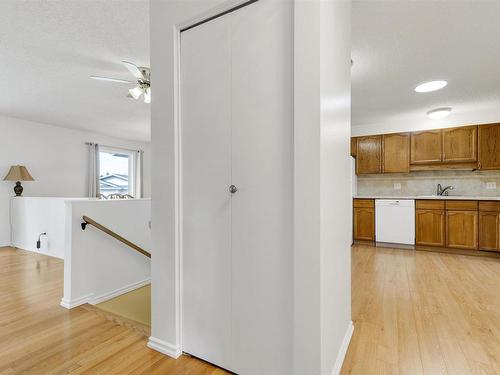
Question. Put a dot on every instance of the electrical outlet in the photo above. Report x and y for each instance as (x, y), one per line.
(397, 186)
(491, 185)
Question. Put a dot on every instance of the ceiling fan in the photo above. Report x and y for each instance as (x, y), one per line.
(143, 83)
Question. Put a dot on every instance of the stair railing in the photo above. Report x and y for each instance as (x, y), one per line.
(88, 221)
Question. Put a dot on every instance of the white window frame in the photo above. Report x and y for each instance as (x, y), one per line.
(132, 165)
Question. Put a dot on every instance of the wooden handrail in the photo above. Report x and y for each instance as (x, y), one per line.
(88, 220)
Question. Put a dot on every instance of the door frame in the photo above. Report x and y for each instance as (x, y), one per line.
(227, 7)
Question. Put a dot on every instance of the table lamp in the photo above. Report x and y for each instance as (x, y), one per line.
(18, 173)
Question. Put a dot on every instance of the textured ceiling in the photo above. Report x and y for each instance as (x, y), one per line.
(48, 49)
(398, 44)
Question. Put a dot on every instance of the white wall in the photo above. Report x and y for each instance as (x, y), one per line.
(322, 177)
(335, 183)
(31, 216)
(307, 228)
(98, 267)
(322, 297)
(56, 157)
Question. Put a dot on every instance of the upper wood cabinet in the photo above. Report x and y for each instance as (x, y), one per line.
(462, 229)
(354, 147)
(426, 147)
(460, 144)
(430, 227)
(466, 148)
(489, 146)
(369, 154)
(396, 153)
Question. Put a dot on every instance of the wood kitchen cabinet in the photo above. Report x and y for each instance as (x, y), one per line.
(489, 146)
(445, 148)
(396, 153)
(369, 154)
(465, 148)
(459, 144)
(462, 229)
(364, 219)
(426, 147)
(430, 227)
(489, 225)
(354, 147)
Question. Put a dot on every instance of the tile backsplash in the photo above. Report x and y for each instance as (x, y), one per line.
(473, 183)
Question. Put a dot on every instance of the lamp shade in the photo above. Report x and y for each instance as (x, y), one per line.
(18, 173)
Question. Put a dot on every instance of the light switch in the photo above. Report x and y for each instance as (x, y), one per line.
(397, 186)
(491, 185)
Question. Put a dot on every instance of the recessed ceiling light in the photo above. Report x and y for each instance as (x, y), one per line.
(439, 113)
(430, 86)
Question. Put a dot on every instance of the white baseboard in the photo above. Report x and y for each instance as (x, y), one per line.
(343, 349)
(118, 292)
(69, 304)
(164, 347)
(94, 300)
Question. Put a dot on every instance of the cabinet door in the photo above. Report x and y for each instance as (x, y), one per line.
(353, 147)
(396, 153)
(462, 229)
(430, 228)
(489, 146)
(426, 147)
(489, 227)
(364, 224)
(369, 154)
(460, 144)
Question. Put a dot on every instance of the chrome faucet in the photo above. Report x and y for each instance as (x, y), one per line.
(443, 191)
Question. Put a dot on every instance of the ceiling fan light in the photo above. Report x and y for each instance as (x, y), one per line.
(147, 96)
(136, 92)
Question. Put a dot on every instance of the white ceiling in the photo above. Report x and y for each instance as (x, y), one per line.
(48, 49)
(398, 44)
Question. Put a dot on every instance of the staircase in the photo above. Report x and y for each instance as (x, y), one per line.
(132, 308)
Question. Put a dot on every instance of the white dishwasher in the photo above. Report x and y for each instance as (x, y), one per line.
(395, 221)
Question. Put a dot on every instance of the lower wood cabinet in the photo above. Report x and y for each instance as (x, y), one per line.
(462, 229)
(489, 225)
(430, 227)
(489, 228)
(454, 224)
(364, 219)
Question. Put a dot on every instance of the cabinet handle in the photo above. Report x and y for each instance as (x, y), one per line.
(479, 166)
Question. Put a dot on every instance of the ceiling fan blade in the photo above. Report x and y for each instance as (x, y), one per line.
(134, 69)
(110, 79)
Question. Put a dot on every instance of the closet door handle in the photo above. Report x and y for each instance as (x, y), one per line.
(233, 189)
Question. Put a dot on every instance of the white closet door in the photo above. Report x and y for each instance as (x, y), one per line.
(206, 202)
(237, 129)
(262, 136)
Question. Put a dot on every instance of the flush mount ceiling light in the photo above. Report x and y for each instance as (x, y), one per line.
(439, 113)
(430, 86)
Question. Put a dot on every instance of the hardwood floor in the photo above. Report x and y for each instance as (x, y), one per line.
(423, 313)
(37, 336)
(414, 313)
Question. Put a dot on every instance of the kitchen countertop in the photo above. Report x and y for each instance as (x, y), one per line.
(449, 197)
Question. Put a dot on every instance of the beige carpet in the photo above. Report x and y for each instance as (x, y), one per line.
(135, 305)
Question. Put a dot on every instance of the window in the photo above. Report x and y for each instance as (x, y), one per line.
(117, 171)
